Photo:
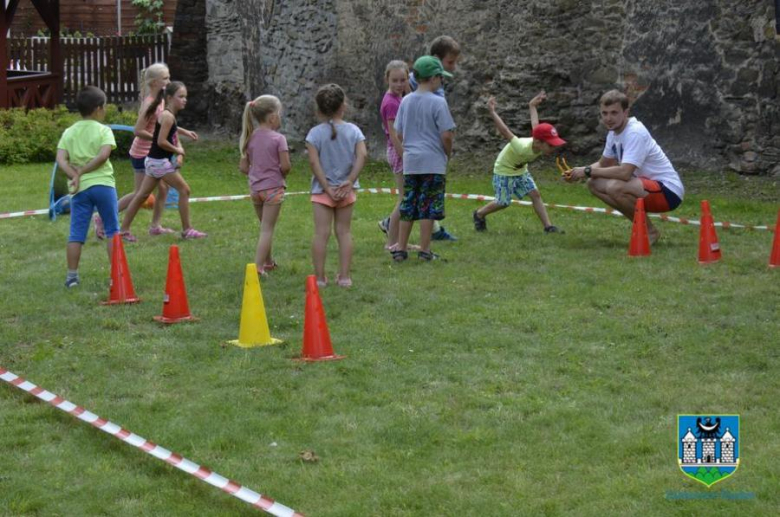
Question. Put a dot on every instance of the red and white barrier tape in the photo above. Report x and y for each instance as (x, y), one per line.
(476, 197)
(161, 453)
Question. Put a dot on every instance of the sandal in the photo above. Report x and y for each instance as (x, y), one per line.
(128, 237)
(322, 282)
(160, 230)
(343, 282)
(399, 256)
(100, 231)
(192, 233)
(429, 256)
(270, 266)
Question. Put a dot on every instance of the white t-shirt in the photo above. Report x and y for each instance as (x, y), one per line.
(634, 145)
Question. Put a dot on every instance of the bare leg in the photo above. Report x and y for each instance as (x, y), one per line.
(175, 180)
(539, 208)
(404, 230)
(323, 220)
(395, 216)
(147, 186)
(343, 229)
(622, 196)
(124, 201)
(426, 230)
(489, 209)
(159, 204)
(74, 255)
(268, 214)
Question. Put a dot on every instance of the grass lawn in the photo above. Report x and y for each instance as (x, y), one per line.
(529, 374)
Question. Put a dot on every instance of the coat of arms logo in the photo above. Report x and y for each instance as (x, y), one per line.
(708, 446)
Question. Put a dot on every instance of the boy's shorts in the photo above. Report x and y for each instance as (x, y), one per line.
(506, 186)
(159, 167)
(660, 199)
(324, 199)
(83, 204)
(423, 197)
(396, 162)
(271, 196)
(138, 164)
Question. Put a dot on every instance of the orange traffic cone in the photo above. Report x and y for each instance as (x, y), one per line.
(709, 248)
(774, 258)
(640, 242)
(316, 337)
(121, 290)
(175, 306)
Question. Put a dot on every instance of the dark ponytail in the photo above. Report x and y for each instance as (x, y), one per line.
(329, 99)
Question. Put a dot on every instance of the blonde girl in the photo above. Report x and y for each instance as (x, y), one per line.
(397, 80)
(162, 162)
(337, 153)
(265, 159)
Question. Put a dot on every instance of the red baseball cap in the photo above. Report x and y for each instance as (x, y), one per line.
(547, 133)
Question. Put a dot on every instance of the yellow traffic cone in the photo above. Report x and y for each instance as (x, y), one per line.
(254, 325)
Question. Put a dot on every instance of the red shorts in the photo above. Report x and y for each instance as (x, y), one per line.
(659, 198)
(324, 199)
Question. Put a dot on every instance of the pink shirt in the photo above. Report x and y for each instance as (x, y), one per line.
(263, 150)
(388, 111)
(141, 147)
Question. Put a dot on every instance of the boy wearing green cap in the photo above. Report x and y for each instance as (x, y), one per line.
(425, 127)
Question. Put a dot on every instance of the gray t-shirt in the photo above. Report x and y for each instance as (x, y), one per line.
(421, 119)
(336, 156)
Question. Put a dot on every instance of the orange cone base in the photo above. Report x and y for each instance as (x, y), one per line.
(325, 358)
(121, 302)
(238, 343)
(170, 321)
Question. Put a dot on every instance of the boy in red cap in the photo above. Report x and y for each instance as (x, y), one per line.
(510, 172)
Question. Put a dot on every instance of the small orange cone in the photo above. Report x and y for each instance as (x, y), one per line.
(640, 242)
(709, 248)
(316, 337)
(121, 290)
(774, 258)
(175, 306)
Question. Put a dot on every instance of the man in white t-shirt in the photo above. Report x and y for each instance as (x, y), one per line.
(632, 166)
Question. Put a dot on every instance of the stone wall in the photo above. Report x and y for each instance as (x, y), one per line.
(704, 74)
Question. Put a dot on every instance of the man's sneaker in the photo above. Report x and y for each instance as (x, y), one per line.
(553, 229)
(384, 224)
(443, 235)
(72, 282)
(480, 223)
(428, 256)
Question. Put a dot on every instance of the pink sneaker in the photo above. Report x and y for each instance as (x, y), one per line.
(128, 237)
(192, 233)
(100, 231)
(160, 230)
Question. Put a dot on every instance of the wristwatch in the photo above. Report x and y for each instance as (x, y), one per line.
(588, 170)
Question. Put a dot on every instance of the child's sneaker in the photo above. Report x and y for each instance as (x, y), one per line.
(480, 223)
(553, 229)
(384, 224)
(428, 256)
(72, 282)
(100, 231)
(160, 230)
(128, 237)
(192, 233)
(443, 235)
(399, 256)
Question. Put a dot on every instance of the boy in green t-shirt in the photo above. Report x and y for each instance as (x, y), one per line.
(510, 172)
(83, 153)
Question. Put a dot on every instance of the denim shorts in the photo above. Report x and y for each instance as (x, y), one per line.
(507, 186)
(138, 164)
(423, 197)
(84, 203)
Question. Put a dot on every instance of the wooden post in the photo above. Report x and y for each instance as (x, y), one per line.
(3, 58)
(55, 51)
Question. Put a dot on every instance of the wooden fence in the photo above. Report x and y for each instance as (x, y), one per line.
(112, 64)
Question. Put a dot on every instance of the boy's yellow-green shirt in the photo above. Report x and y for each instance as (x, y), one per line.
(514, 157)
(83, 141)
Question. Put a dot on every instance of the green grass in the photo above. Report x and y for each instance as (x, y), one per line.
(530, 374)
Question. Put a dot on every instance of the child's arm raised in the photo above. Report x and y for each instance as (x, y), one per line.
(502, 128)
(532, 104)
(166, 123)
(316, 169)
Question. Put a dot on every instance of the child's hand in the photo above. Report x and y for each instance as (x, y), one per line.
(73, 185)
(343, 190)
(492, 104)
(538, 99)
(179, 160)
(180, 151)
(193, 136)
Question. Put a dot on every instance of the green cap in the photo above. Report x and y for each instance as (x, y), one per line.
(429, 66)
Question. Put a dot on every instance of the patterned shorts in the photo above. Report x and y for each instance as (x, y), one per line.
(423, 197)
(396, 162)
(506, 186)
(157, 168)
(271, 196)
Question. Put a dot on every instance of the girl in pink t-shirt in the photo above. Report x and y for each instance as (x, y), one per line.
(265, 159)
(397, 79)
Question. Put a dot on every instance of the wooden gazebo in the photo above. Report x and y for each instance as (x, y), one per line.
(23, 89)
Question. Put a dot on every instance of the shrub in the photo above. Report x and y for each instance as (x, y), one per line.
(32, 136)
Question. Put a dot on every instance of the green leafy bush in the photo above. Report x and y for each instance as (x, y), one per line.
(32, 136)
